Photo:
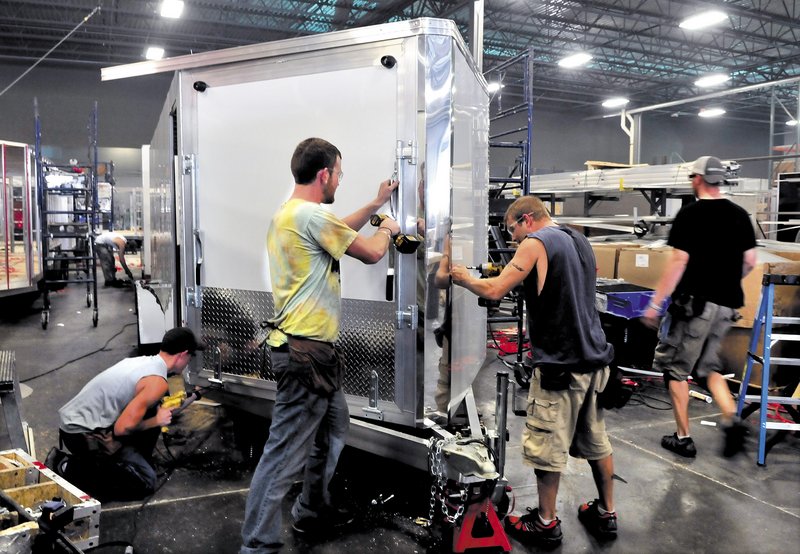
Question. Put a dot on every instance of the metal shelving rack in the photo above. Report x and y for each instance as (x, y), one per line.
(70, 216)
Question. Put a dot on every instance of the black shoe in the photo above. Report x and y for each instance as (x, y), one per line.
(329, 520)
(529, 529)
(57, 460)
(602, 526)
(735, 438)
(683, 447)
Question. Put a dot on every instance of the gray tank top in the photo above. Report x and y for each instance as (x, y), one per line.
(563, 323)
(102, 400)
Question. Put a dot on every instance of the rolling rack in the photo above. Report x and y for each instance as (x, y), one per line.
(519, 71)
(69, 215)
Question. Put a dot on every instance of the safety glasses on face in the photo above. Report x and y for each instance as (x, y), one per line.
(510, 228)
(340, 174)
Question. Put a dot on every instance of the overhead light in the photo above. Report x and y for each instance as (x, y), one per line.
(712, 80)
(494, 86)
(792, 122)
(154, 53)
(615, 102)
(703, 19)
(575, 60)
(171, 8)
(711, 112)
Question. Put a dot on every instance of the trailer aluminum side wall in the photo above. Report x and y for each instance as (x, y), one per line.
(402, 97)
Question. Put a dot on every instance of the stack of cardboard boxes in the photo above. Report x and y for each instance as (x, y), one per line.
(642, 264)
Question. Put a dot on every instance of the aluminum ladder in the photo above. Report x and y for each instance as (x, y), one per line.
(762, 328)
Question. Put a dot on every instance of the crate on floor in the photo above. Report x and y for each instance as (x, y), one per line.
(30, 483)
(623, 299)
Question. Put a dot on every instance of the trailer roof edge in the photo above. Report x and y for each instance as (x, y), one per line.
(386, 31)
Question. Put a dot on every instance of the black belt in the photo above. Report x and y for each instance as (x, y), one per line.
(282, 348)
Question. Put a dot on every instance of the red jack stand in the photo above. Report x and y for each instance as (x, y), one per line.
(462, 536)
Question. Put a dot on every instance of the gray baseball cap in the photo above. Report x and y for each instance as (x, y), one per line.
(710, 168)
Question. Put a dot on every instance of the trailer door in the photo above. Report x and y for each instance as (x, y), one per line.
(244, 124)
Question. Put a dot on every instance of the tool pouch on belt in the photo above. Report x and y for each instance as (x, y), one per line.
(554, 377)
(315, 364)
(686, 306)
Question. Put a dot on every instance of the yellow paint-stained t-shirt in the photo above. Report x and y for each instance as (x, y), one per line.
(305, 243)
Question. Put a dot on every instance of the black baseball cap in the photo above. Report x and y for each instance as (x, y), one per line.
(710, 168)
(179, 339)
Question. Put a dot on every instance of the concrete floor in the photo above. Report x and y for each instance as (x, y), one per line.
(665, 503)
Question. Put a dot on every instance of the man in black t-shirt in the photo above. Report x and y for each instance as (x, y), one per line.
(714, 248)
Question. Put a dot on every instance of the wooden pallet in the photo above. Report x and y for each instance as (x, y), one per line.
(30, 483)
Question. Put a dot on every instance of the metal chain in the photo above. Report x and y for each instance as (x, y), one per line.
(438, 488)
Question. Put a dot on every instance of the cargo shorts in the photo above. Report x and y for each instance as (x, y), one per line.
(692, 347)
(566, 422)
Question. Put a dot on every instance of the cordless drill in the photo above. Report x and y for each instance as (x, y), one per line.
(405, 244)
(178, 401)
(488, 269)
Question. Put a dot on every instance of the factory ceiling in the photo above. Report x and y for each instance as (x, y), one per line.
(638, 49)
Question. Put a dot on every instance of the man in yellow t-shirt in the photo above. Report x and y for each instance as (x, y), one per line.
(309, 421)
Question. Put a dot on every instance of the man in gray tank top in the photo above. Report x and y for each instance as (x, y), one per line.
(110, 428)
(556, 267)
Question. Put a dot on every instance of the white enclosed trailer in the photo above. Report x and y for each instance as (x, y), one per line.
(402, 98)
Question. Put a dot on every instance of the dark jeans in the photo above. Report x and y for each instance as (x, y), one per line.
(106, 257)
(124, 475)
(307, 433)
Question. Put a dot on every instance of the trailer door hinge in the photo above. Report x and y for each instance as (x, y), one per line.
(407, 151)
(194, 296)
(407, 319)
(188, 164)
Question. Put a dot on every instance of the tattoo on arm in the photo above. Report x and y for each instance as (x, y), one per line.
(517, 266)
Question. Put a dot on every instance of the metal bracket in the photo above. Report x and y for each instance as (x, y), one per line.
(372, 411)
(217, 361)
(407, 319)
(407, 151)
(194, 297)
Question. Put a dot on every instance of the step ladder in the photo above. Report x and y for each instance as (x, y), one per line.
(763, 323)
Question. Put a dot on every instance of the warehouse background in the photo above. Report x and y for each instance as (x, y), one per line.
(563, 138)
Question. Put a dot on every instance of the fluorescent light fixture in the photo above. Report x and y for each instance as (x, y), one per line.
(494, 86)
(792, 122)
(712, 80)
(711, 112)
(171, 8)
(575, 60)
(154, 53)
(615, 102)
(703, 19)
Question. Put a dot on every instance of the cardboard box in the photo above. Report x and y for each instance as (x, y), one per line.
(30, 483)
(643, 266)
(606, 261)
(787, 297)
(607, 257)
